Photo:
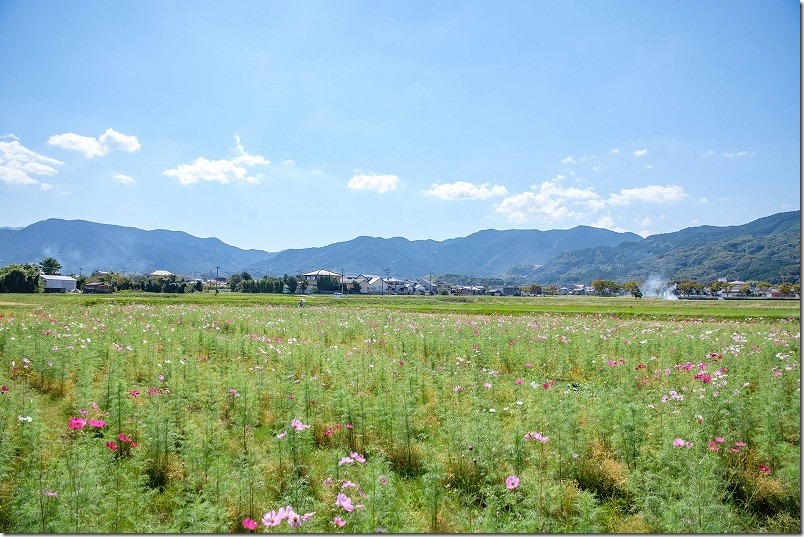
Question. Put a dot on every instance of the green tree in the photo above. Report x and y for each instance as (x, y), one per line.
(19, 279)
(605, 287)
(632, 287)
(50, 266)
(534, 289)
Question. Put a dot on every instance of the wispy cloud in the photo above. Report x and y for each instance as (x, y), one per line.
(640, 152)
(18, 164)
(121, 178)
(461, 190)
(606, 222)
(568, 160)
(378, 183)
(96, 147)
(648, 194)
(736, 154)
(614, 150)
(222, 171)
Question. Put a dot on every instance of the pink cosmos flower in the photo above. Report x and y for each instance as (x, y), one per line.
(77, 423)
(134, 393)
(298, 425)
(678, 442)
(511, 482)
(345, 460)
(518, 381)
(307, 516)
(294, 520)
(764, 469)
(249, 524)
(281, 435)
(123, 438)
(97, 423)
(347, 484)
(383, 480)
(345, 502)
(356, 456)
(338, 521)
(719, 439)
(111, 445)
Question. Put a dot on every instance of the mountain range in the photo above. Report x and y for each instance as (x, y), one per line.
(766, 249)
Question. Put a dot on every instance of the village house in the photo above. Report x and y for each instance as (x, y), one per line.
(97, 288)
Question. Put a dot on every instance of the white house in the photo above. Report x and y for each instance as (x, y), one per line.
(312, 277)
(58, 284)
(374, 286)
(161, 273)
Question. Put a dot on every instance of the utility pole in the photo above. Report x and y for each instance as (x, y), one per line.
(343, 289)
(79, 271)
(388, 277)
(216, 279)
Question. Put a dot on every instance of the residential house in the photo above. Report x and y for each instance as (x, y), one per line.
(375, 286)
(312, 277)
(97, 288)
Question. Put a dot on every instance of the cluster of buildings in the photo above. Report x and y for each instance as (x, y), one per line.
(373, 284)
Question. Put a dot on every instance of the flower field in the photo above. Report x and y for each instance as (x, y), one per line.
(120, 416)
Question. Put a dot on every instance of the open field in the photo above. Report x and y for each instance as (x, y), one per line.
(193, 413)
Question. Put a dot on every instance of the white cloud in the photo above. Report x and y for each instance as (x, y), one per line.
(95, 147)
(18, 164)
(650, 167)
(202, 169)
(598, 168)
(121, 178)
(614, 150)
(379, 183)
(547, 203)
(461, 190)
(703, 199)
(640, 152)
(221, 171)
(568, 160)
(606, 222)
(644, 222)
(733, 154)
(648, 194)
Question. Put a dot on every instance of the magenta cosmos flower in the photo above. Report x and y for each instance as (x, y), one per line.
(511, 482)
(77, 423)
(249, 524)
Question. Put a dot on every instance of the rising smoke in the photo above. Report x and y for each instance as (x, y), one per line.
(657, 287)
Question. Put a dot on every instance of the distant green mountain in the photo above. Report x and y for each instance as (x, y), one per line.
(79, 244)
(485, 253)
(766, 249)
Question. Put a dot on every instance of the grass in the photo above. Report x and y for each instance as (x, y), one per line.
(660, 416)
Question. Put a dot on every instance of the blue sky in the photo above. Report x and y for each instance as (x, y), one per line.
(277, 125)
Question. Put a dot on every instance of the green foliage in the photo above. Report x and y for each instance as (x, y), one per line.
(19, 279)
(50, 265)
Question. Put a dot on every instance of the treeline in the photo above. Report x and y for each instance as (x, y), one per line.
(245, 283)
(20, 279)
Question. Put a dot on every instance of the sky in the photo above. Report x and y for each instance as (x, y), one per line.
(275, 125)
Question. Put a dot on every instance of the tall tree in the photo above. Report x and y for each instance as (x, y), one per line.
(50, 266)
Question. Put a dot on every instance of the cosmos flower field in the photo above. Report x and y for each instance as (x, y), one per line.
(211, 418)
